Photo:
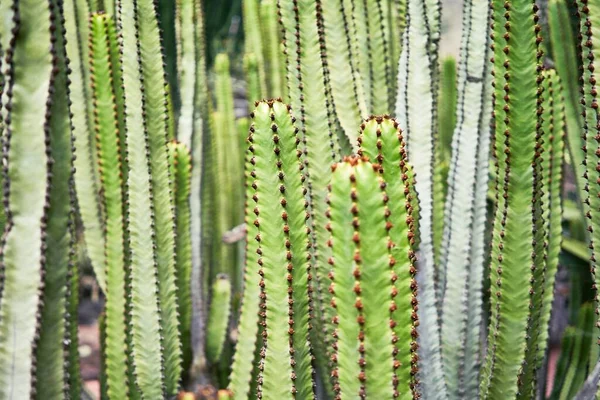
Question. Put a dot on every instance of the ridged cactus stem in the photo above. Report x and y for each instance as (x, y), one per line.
(218, 318)
(463, 241)
(86, 175)
(254, 42)
(364, 286)
(52, 357)
(181, 169)
(283, 263)
(382, 141)
(110, 167)
(515, 254)
(244, 367)
(272, 49)
(252, 80)
(27, 131)
(588, 13)
(309, 95)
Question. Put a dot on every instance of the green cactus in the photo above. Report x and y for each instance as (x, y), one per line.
(517, 253)
(108, 114)
(283, 258)
(462, 260)
(181, 168)
(273, 53)
(218, 317)
(252, 79)
(37, 247)
(87, 183)
(254, 42)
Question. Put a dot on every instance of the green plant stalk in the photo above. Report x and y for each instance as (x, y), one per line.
(186, 59)
(76, 13)
(462, 259)
(362, 285)
(252, 80)
(107, 139)
(244, 368)
(382, 141)
(145, 317)
(346, 90)
(308, 92)
(414, 110)
(254, 41)
(181, 168)
(280, 211)
(154, 102)
(565, 61)
(589, 27)
(27, 129)
(397, 24)
(218, 318)
(51, 355)
(272, 48)
(517, 147)
(75, 386)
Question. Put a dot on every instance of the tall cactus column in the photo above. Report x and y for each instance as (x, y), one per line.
(283, 262)
(515, 255)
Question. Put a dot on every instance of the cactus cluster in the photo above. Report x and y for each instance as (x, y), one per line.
(337, 241)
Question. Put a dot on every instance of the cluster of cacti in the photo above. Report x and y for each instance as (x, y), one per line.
(378, 207)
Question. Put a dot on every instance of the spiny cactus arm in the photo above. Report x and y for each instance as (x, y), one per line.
(107, 139)
(359, 33)
(381, 140)
(553, 216)
(279, 207)
(154, 102)
(415, 113)
(72, 357)
(76, 16)
(380, 58)
(252, 79)
(363, 280)
(565, 62)
(514, 254)
(218, 317)
(186, 59)
(181, 167)
(27, 130)
(589, 13)
(463, 258)
(145, 319)
(397, 18)
(244, 359)
(51, 372)
(346, 89)
(272, 48)
(254, 42)
(308, 91)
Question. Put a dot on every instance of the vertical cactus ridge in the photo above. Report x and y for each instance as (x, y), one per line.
(280, 210)
(86, 176)
(415, 73)
(145, 317)
(346, 89)
(244, 362)
(463, 258)
(589, 12)
(397, 23)
(515, 255)
(308, 91)
(566, 64)
(109, 159)
(272, 49)
(181, 168)
(252, 79)
(186, 60)
(51, 354)
(254, 42)
(218, 318)
(154, 102)
(73, 372)
(379, 58)
(366, 344)
(28, 131)
(554, 160)
(382, 140)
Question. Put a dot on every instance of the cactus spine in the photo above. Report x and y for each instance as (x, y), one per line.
(283, 262)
